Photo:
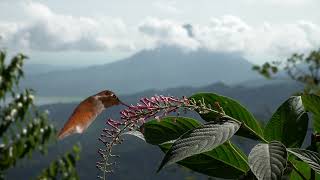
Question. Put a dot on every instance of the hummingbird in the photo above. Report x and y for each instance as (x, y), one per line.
(87, 111)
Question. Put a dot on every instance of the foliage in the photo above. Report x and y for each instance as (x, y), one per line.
(301, 68)
(202, 139)
(306, 70)
(268, 161)
(23, 128)
(207, 147)
(63, 167)
(290, 117)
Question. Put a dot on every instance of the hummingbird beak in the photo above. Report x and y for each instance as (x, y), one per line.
(124, 103)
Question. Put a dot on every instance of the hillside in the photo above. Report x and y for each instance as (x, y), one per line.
(38, 69)
(160, 68)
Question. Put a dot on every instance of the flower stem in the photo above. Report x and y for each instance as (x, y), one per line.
(110, 149)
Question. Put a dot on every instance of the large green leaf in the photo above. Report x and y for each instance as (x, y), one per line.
(289, 123)
(226, 161)
(312, 104)
(302, 167)
(201, 139)
(250, 127)
(309, 157)
(268, 161)
(169, 128)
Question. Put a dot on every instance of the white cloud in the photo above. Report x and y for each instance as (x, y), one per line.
(231, 34)
(6, 29)
(280, 40)
(45, 30)
(228, 33)
(166, 32)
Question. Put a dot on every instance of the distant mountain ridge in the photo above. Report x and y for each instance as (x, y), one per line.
(38, 69)
(159, 68)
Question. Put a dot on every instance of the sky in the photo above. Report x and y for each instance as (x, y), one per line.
(89, 32)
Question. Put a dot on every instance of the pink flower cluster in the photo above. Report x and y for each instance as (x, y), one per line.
(132, 118)
(151, 107)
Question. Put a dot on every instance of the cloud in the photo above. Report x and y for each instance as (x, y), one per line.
(282, 40)
(45, 30)
(231, 34)
(166, 32)
(227, 33)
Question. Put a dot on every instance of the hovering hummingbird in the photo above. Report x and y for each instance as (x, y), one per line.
(87, 111)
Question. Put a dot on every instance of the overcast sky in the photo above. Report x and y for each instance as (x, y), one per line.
(85, 32)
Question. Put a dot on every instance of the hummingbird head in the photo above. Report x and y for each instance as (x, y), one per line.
(108, 98)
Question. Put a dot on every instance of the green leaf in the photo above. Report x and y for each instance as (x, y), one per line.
(311, 103)
(289, 123)
(226, 161)
(250, 127)
(268, 161)
(302, 167)
(310, 157)
(169, 128)
(201, 139)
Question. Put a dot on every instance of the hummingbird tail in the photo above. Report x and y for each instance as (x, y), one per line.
(64, 133)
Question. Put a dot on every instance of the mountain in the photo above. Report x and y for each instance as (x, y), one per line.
(149, 69)
(139, 161)
(37, 69)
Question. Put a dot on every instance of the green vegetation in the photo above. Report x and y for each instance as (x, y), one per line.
(207, 148)
(23, 128)
(283, 134)
(299, 67)
(206, 143)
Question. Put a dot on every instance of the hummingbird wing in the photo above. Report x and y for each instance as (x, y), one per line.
(83, 115)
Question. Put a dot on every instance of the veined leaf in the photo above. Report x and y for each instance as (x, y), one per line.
(312, 104)
(268, 161)
(169, 128)
(310, 157)
(201, 139)
(250, 127)
(289, 123)
(226, 161)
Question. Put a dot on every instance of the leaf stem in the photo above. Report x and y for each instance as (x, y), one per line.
(313, 148)
(295, 169)
(240, 155)
(252, 131)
